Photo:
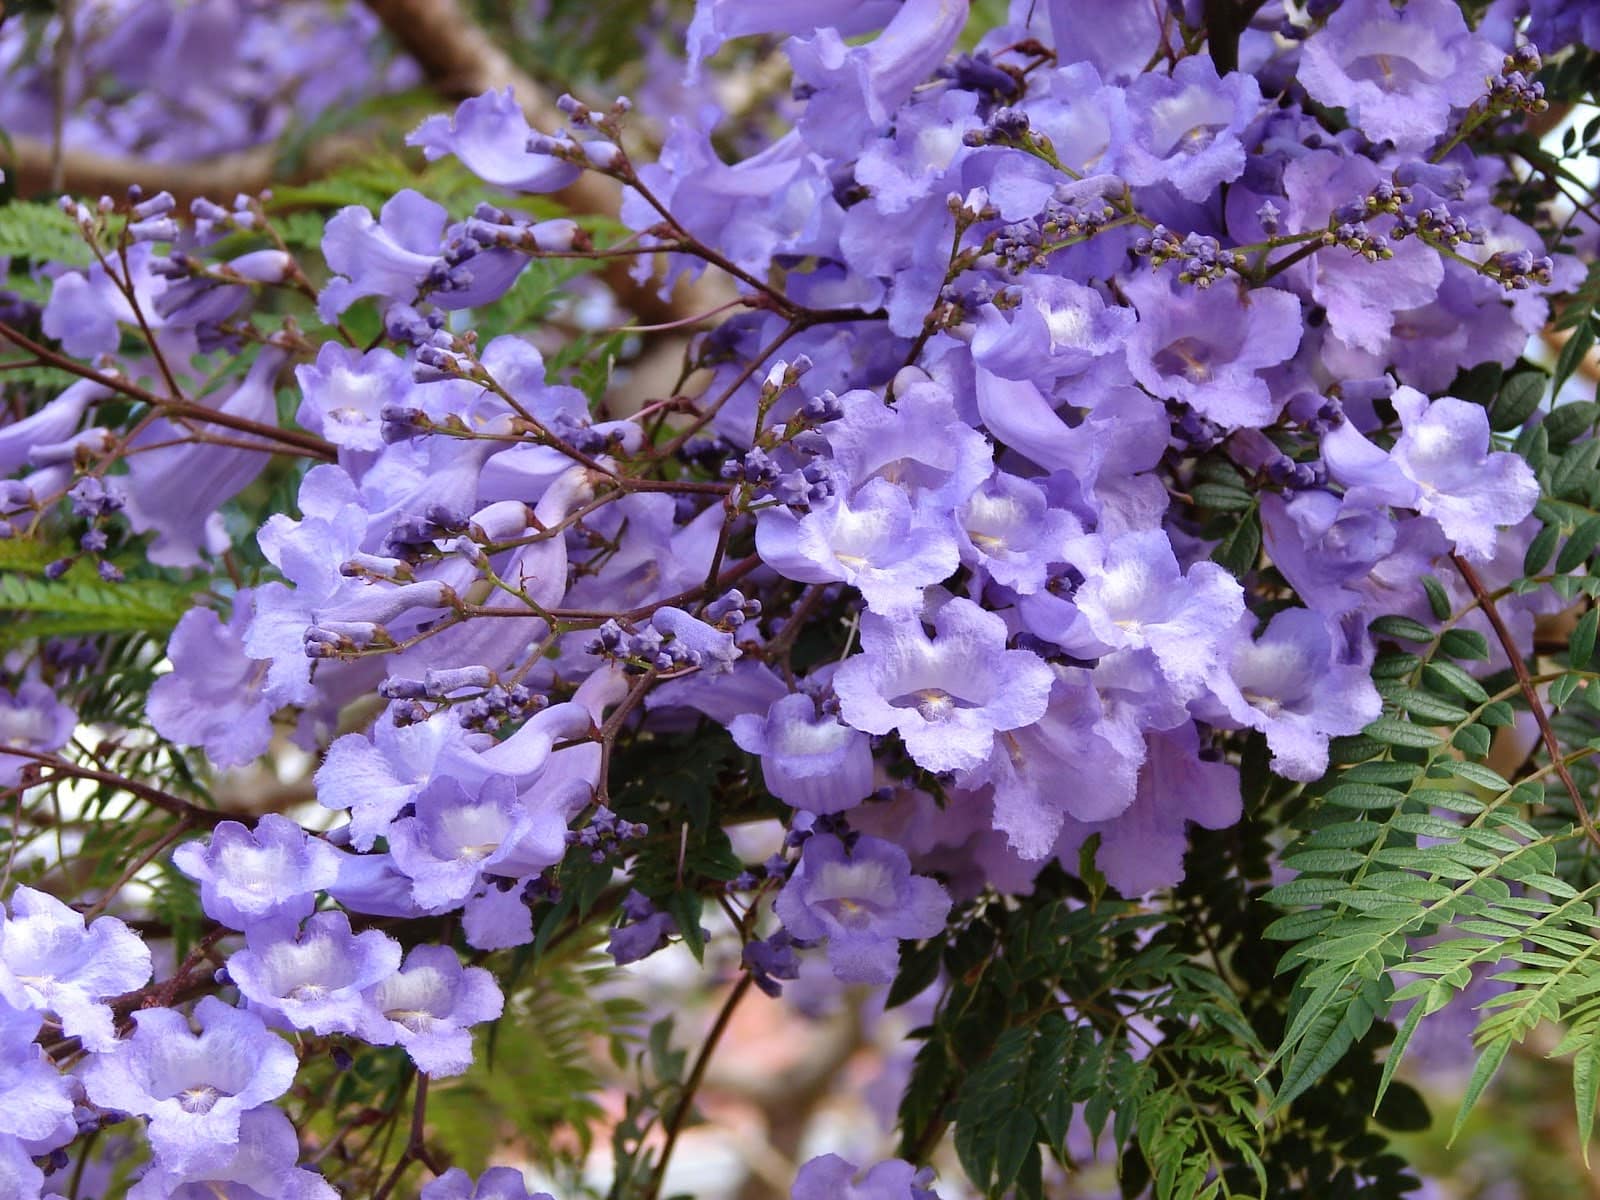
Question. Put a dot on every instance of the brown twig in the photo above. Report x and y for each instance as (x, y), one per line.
(1529, 693)
(166, 801)
(673, 1125)
(306, 443)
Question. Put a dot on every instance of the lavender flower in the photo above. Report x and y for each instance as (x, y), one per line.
(428, 1006)
(50, 961)
(314, 977)
(808, 759)
(947, 695)
(832, 1178)
(271, 873)
(195, 1087)
(862, 899)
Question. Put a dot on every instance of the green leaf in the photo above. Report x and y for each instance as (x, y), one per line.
(1222, 498)
(1438, 599)
(1394, 732)
(1540, 549)
(90, 606)
(1581, 646)
(1519, 397)
(1579, 546)
(1465, 643)
(1574, 476)
(1572, 353)
(1403, 628)
(1452, 678)
(1239, 551)
(1488, 1063)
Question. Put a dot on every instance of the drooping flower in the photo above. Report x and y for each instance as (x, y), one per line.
(1187, 127)
(429, 1005)
(1207, 347)
(270, 873)
(863, 899)
(947, 695)
(51, 962)
(213, 697)
(314, 977)
(490, 135)
(1397, 72)
(496, 1183)
(809, 759)
(1442, 465)
(1291, 683)
(32, 718)
(195, 1087)
(262, 1164)
(830, 1177)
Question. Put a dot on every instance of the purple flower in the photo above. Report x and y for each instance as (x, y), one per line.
(213, 696)
(53, 423)
(1397, 72)
(35, 1098)
(31, 718)
(262, 1164)
(1362, 298)
(246, 877)
(1442, 466)
(1012, 533)
(1142, 849)
(194, 1087)
(1207, 347)
(428, 1005)
(875, 540)
(490, 136)
(832, 1178)
(863, 900)
(1059, 329)
(644, 929)
(1187, 125)
(18, 1175)
(717, 21)
(51, 962)
(852, 91)
(925, 152)
(947, 695)
(497, 1183)
(1117, 39)
(808, 759)
(176, 490)
(458, 835)
(398, 257)
(1291, 684)
(345, 391)
(375, 777)
(314, 977)
(1135, 596)
(1078, 761)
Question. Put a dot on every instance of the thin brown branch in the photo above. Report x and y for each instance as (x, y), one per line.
(680, 1113)
(305, 443)
(1529, 693)
(166, 801)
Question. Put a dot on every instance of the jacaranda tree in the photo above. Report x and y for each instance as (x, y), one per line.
(1106, 566)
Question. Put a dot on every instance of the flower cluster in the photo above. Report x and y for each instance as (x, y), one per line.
(1032, 339)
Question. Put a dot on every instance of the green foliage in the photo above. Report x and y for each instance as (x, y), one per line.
(42, 233)
(80, 604)
(1422, 869)
(538, 1081)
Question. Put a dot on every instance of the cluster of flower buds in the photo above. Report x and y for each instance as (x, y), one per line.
(1515, 89)
(604, 833)
(1203, 259)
